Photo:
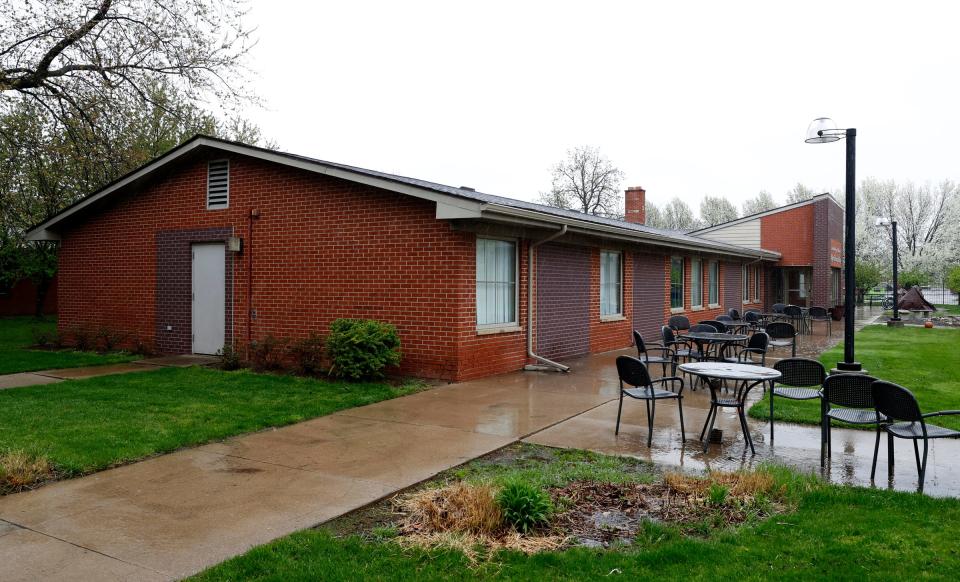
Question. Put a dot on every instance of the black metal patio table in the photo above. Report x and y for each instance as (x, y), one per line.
(746, 376)
(722, 339)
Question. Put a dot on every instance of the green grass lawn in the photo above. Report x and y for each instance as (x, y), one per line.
(88, 425)
(948, 309)
(828, 532)
(16, 334)
(926, 361)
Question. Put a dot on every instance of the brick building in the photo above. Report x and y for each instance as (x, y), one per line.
(809, 237)
(218, 242)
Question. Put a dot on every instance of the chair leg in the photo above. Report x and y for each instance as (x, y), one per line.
(771, 413)
(876, 453)
(706, 422)
(923, 466)
(713, 418)
(619, 410)
(683, 432)
(889, 454)
(651, 412)
(916, 454)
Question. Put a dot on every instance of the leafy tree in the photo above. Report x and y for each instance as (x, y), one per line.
(586, 181)
(868, 275)
(799, 193)
(677, 215)
(717, 210)
(953, 281)
(912, 278)
(763, 202)
(654, 215)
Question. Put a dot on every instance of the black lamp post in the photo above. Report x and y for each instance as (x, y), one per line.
(824, 130)
(896, 255)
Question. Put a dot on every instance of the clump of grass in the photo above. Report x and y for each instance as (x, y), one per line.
(20, 470)
(458, 508)
(524, 506)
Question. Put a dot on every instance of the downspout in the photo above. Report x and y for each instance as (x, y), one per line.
(546, 364)
(254, 214)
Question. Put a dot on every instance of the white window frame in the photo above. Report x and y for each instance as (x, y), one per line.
(618, 285)
(206, 192)
(513, 325)
(696, 283)
(713, 284)
(683, 268)
(745, 284)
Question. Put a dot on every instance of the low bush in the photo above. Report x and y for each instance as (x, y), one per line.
(307, 354)
(141, 347)
(83, 338)
(20, 470)
(524, 506)
(109, 339)
(362, 348)
(229, 358)
(46, 338)
(268, 354)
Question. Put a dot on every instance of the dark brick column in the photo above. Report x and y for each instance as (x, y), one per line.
(563, 301)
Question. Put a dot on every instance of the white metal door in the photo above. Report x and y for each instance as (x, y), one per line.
(209, 286)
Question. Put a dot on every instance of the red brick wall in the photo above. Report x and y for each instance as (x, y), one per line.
(789, 233)
(563, 300)
(611, 333)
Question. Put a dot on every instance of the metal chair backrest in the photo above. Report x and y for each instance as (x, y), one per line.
(667, 335)
(734, 314)
(896, 402)
(633, 372)
(778, 307)
(853, 390)
(717, 325)
(725, 318)
(638, 340)
(781, 330)
(679, 322)
(703, 328)
(793, 311)
(751, 317)
(800, 372)
(818, 312)
(759, 341)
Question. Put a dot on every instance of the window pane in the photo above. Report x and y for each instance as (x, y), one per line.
(713, 278)
(676, 282)
(610, 281)
(696, 282)
(496, 282)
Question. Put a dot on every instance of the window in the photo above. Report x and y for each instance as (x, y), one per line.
(218, 185)
(696, 282)
(713, 283)
(745, 283)
(496, 282)
(756, 285)
(611, 280)
(676, 283)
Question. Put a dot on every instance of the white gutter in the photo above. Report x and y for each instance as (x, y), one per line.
(530, 353)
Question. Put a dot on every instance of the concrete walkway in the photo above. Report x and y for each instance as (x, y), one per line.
(22, 379)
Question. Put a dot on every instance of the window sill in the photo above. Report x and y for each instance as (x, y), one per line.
(676, 310)
(496, 330)
(697, 308)
(714, 306)
(618, 317)
(747, 302)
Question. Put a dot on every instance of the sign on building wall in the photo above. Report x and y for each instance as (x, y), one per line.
(836, 253)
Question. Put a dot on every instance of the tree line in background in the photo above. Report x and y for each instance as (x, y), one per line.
(928, 217)
(92, 90)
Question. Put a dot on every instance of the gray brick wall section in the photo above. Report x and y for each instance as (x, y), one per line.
(733, 286)
(649, 294)
(563, 301)
(827, 226)
(174, 287)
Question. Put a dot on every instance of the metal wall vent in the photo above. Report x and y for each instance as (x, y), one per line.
(218, 184)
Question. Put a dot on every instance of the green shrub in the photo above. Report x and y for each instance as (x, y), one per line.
(229, 358)
(524, 506)
(307, 354)
(268, 353)
(46, 338)
(109, 339)
(362, 348)
(82, 338)
(718, 494)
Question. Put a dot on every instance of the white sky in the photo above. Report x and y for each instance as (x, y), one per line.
(686, 98)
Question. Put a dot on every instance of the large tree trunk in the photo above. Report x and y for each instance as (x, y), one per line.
(43, 286)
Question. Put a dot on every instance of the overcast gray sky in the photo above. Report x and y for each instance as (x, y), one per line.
(686, 98)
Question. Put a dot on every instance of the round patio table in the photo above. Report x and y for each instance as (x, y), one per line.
(746, 377)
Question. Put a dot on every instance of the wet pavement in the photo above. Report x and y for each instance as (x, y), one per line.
(23, 379)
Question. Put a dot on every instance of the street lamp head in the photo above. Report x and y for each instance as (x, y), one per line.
(881, 221)
(823, 130)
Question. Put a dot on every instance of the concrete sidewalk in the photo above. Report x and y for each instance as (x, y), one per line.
(177, 514)
(22, 379)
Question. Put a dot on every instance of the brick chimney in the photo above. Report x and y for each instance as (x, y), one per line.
(634, 202)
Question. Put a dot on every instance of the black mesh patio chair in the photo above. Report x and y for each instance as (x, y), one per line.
(783, 334)
(679, 323)
(777, 307)
(724, 319)
(634, 374)
(683, 350)
(719, 325)
(905, 421)
(795, 314)
(666, 358)
(734, 314)
(753, 319)
(703, 328)
(801, 379)
(847, 398)
(821, 314)
(755, 352)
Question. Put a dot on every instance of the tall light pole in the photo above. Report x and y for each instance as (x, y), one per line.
(824, 130)
(896, 255)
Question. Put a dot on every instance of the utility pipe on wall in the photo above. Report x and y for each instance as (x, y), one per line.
(530, 352)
